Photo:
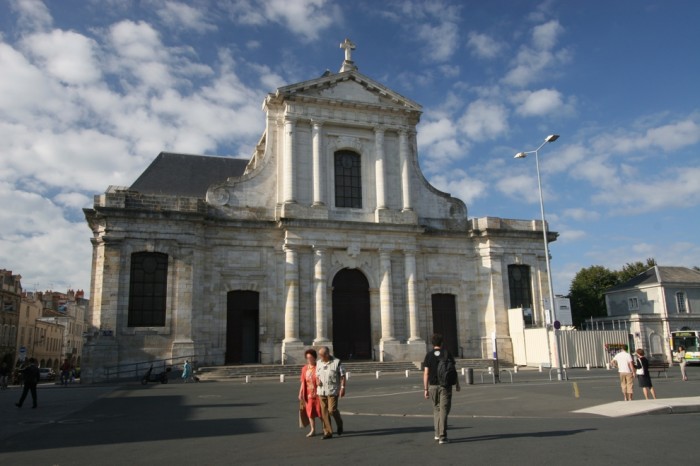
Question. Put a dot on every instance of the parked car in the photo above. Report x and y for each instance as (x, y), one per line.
(46, 373)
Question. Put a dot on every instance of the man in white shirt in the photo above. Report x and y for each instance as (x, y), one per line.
(331, 380)
(625, 366)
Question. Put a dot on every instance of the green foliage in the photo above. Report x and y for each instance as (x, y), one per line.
(586, 292)
(632, 269)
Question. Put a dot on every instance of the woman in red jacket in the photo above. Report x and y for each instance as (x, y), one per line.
(307, 390)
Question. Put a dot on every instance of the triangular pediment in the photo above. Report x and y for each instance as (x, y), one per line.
(348, 86)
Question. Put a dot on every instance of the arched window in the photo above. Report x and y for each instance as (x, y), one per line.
(148, 287)
(520, 286)
(348, 179)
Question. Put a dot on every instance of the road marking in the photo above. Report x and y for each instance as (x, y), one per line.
(383, 394)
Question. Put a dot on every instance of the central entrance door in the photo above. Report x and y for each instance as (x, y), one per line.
(242, 319)
(445, 321)
(352, 329)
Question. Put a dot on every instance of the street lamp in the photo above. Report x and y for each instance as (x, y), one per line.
(552, 302)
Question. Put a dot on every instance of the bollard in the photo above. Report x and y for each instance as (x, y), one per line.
(539, 368)
(247, 379)
(407, 372)
(607, 366)
(515, 369)
(463, 371)
(490, 370)
(281, 378)
(347, 375)
(588, 366)
(470, 376)
(377, 374)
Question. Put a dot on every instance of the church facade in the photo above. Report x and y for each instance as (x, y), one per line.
(328, 235)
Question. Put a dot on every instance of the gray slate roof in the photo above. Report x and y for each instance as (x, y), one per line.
(661, 275)
(186, 175)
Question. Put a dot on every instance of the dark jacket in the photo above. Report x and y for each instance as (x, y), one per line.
(30, 375)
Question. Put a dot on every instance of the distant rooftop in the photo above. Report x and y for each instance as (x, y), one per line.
(186, 175)
(661, 275)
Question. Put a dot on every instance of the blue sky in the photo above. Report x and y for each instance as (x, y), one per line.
(92, 91)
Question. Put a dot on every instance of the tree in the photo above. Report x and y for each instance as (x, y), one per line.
(632, 269)
(586, 292)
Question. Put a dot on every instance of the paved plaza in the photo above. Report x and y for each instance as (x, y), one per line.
(532, 421)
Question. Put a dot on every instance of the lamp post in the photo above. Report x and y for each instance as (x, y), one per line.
(552, 301)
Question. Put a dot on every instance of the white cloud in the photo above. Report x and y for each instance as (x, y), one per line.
(182, 16)
(440, 40)
(484, 46)
(484, 120)
(544, 36)
(460, 185)
(521, 187)
(32, 14)
(668, 137)
(581, 214)
(305, 18)
(569, 236)
(533, 61)
(66, 55)
(538, 103)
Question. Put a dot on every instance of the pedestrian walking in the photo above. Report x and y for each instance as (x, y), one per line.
(65, 372)
(643, 375)
(682, 362)
(330, 380)
(438, 386)
(4, 375)
(625, 367)
(187, 371)
(30, 378)
(308, 397)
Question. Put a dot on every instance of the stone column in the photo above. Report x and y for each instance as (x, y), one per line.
(321, 300)
(318, 176)
(411, 302)
(291, 303)
(386, 301)
(380, 173)
(405, 169)
(288, 164)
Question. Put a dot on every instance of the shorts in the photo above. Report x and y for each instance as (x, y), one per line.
(627, 382)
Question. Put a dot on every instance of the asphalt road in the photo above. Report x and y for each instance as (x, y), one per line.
(386, 421)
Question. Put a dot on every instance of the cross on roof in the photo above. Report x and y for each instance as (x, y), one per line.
(349, 47)
(348, 64)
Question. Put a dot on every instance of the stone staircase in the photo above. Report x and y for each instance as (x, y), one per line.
(260, 371)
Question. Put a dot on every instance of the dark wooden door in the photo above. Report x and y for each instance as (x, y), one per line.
(445, 321)
(242, 324)
(352, 329)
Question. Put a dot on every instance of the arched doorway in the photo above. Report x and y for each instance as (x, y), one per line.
(445, 321)
(352, 329)
(242, 320)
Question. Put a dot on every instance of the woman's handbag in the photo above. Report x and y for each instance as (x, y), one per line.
(640, 371)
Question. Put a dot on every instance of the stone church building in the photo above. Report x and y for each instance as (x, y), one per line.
(329, 235)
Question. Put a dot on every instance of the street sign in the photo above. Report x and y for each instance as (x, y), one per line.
(557, 324)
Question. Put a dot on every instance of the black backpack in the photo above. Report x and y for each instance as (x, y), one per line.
(446, 371)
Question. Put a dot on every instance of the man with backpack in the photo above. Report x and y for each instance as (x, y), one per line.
(439, 375)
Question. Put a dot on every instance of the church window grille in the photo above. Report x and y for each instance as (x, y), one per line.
(520, 286)
(147, 289)
(348, 179)
(680, 302)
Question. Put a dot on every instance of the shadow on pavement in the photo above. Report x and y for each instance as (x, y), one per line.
(552, 433)
(124, 418)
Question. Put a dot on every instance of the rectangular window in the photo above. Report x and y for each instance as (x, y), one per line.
(633, 304)
(348, 179)
(680, 302)
(148, 287)
(520, 286)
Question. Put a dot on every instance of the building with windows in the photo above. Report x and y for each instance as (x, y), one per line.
(11, 297)
(652, 305)
(329, 235)
(39, 339)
